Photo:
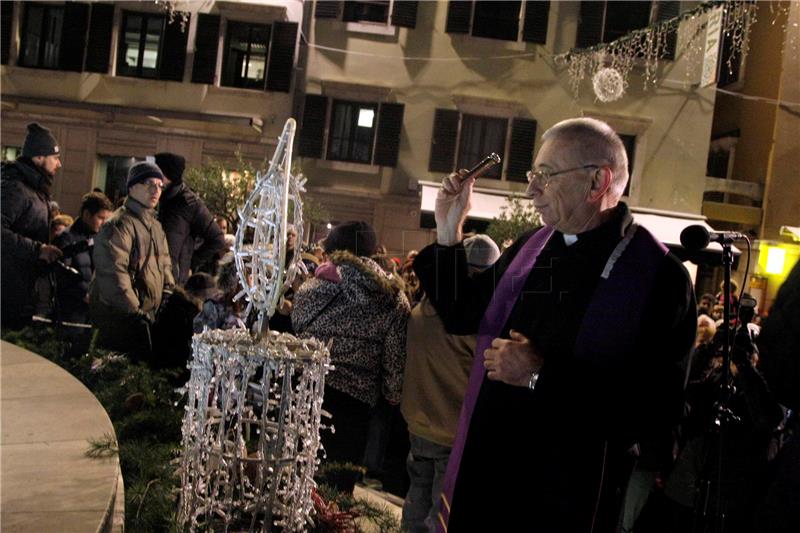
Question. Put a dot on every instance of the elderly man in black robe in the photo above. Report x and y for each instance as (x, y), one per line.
(581, 326)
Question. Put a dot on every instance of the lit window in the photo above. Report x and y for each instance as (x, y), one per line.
(352, 131)
(246, 55)
(140, 43)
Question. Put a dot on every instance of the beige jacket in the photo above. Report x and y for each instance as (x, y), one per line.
(132, 264)
(436, 375)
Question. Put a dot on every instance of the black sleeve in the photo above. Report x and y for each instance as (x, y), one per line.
(205, 228)
(460, 300)
(655, 371)
(14, 206)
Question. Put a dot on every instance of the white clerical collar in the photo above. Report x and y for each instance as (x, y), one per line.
(570, 239)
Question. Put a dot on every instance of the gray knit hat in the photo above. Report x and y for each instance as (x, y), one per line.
(39, 141)
(482, 251)
(142, 171)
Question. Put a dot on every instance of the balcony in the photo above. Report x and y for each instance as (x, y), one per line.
(728, 203)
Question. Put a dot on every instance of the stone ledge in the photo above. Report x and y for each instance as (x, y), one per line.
(48, 482)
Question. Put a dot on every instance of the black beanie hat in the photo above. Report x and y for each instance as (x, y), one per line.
(356, 237)
(39, 141)
(172, 165)
(141, 171)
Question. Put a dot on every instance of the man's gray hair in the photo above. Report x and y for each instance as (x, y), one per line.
(595, 142)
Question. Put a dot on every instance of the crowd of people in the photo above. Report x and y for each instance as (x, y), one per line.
(567, 383)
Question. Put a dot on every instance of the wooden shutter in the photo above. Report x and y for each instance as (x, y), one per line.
(404, 13)
(534, 29)
(443, 144)
(281, 56)
(73, 36)
(312, 131)
(666, 11)
(459, 15)
(387, 143)
(520, 150)
(590, 24)
(6, 13)
(327, 9)
(206, 43)
(98, 48)
(173, 49)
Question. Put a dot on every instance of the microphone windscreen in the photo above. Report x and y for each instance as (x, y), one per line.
(695, 237)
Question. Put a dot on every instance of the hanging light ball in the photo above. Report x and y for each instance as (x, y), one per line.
(608, 84)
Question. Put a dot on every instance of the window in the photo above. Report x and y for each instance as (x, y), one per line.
(112, 175)
(352, 131)
(140, 42)
(10, 153)
(152, 47)
(366, 11)
(358, 132)
(402, 13)
(500, 20)
(461, 140)
(481, 136)
(41, 36)
(603, 22)
(246, 55)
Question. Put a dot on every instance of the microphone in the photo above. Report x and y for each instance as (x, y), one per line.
(697, 237)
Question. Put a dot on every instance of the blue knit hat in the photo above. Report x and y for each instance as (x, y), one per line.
(142, 171)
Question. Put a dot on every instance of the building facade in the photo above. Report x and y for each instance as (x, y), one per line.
(119, 81)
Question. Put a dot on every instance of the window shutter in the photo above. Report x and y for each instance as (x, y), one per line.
(327, 9)
(312, 132)
(173, 49)
(520, 151)
(281, 56)
(73, 36)
(590, 24)
(443, 145)
(98, 48)
(404, 14)
(387, 143)
(206, 43)
(534, 29)
(666, 11)
(459, 15)
(6, 13)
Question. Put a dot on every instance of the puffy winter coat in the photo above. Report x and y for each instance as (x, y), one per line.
(353, 302)
(186, 220)
(132, 266)
(26, 226)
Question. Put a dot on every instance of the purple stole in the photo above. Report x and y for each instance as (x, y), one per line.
(624, 286)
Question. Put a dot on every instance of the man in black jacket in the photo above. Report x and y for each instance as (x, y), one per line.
(76, 243)
(581, 325)
(187, 222)
(25, 211)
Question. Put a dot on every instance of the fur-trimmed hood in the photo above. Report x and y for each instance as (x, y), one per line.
(364, 271)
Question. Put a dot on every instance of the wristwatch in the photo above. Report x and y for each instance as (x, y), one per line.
(533, 380)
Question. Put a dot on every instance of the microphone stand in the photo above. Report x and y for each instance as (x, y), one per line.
(710, 519)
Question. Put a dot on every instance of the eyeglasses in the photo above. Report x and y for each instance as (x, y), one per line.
(154, 185)
(542, 177)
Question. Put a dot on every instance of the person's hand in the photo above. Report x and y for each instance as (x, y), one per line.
(49, 253)
(285, 307)
(512, 360)
(452, 206)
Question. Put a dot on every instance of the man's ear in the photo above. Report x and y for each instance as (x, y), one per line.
(601, 183)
